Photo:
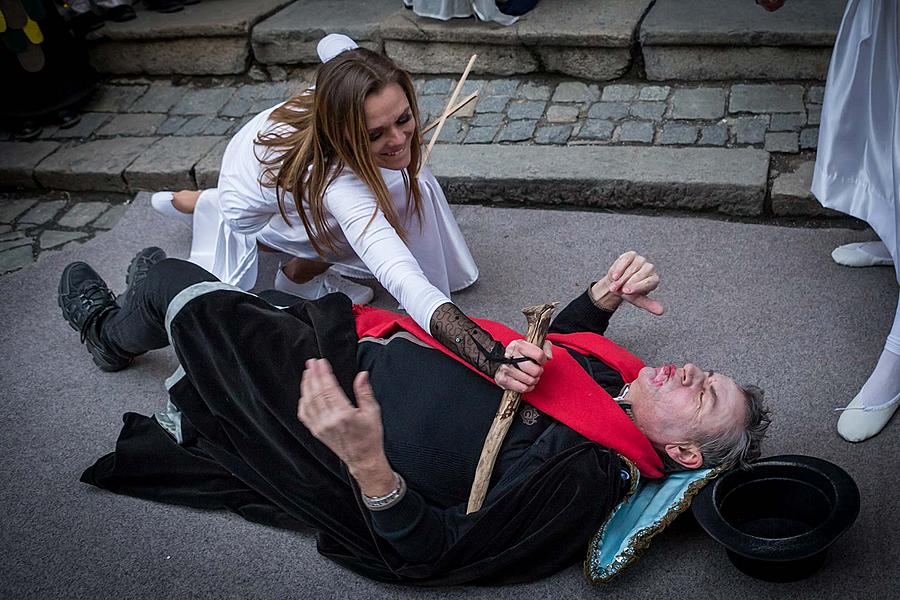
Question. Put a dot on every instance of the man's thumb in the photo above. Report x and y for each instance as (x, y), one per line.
(362, 389)
(651, 305)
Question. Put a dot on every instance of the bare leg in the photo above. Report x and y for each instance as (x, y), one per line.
(185, 201)
(311, 279)
(300, 270)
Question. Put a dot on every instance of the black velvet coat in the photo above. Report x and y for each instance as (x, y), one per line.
(244, 450)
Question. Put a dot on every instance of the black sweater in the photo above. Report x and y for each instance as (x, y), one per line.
(436, 446)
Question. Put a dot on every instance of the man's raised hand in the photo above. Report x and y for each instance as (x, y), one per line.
(354, 433)
(631, 278)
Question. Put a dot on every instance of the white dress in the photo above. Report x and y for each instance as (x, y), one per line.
(858, 162)
(420, 273)
(486, 10)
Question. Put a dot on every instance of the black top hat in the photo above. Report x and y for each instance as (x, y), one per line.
(778, 518)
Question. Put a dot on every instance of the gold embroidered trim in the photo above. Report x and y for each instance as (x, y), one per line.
(640, 541)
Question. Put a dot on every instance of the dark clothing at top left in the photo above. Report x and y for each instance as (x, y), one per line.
(245, 450)
(44, 68)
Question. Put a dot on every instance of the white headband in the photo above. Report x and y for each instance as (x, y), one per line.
(333, 44)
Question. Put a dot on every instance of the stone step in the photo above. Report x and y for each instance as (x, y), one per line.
(791, 196)
(692, 40)
(580, 38)
(209, 38)
(697, 40)
(730, 181)
(290, 36)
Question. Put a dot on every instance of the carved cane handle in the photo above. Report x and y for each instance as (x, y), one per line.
(538, 319)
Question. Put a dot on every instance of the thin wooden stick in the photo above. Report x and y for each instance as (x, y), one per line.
(445, 114)
(538, 318)
(452, 111)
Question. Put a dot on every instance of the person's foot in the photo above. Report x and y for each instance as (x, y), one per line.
(863, 254)
(68, 118)
(162, 203)
(85, 299)
(27, 131)
(164, 6)
(119, 14)
(328, 282)
(875, 403)
(858, 422)
(139, 268)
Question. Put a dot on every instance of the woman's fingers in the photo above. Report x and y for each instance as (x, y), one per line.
(510, 378)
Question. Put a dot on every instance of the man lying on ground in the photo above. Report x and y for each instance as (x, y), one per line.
(379, 455)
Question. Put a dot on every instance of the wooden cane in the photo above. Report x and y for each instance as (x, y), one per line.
(446, 113)
(451, 112)
(538, 318)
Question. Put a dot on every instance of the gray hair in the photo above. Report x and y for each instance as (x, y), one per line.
(740, 445)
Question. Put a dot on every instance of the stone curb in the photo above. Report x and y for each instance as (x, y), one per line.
(730, 181)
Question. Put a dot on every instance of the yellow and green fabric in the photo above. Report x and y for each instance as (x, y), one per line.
(21, 33)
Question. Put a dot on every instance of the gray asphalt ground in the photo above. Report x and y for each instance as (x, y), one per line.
(762, 303)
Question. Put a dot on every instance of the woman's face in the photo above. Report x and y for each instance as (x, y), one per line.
(390, 125)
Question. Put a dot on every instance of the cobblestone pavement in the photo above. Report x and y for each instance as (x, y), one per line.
(36, 222)
(780, 118)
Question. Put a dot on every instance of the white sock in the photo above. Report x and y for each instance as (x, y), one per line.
(883, 384)
(876, 249)
(879, 397)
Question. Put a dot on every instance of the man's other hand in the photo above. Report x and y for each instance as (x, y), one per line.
(522, 377)
(354, 433)
(631, 278)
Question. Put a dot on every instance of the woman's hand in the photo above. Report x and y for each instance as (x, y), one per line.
(354, 433)
(522, 377)
(631, 278)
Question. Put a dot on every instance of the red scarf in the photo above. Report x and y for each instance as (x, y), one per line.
(565, 392)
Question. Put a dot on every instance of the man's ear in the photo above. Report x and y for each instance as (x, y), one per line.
(687, 455)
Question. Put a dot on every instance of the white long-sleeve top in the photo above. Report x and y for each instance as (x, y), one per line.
(420, 272)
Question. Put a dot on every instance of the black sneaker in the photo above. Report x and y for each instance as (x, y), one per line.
(138, 269)
(85, 298)
(164, 6)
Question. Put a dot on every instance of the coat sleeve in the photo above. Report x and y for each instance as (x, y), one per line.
(532, 524)
(581, 315)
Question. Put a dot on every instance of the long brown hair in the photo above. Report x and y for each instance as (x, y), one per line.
(315, 135)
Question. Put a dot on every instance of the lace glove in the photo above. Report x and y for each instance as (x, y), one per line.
(466, 339)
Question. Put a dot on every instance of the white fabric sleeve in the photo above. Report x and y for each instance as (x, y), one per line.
(382, 250)
(245, 203)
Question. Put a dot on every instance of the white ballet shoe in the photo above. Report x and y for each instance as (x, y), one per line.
(857, 255)
(162, 203)
(859, 422)
(328, 282)
(333, 44)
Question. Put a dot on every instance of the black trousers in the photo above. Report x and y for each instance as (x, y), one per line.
(140, 324)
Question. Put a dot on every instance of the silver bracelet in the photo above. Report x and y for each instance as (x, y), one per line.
(388, 500)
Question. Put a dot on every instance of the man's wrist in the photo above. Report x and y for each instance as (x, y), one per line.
(375, 478)
(602, 298)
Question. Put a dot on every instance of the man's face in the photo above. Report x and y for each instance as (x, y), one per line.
(673, 405)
